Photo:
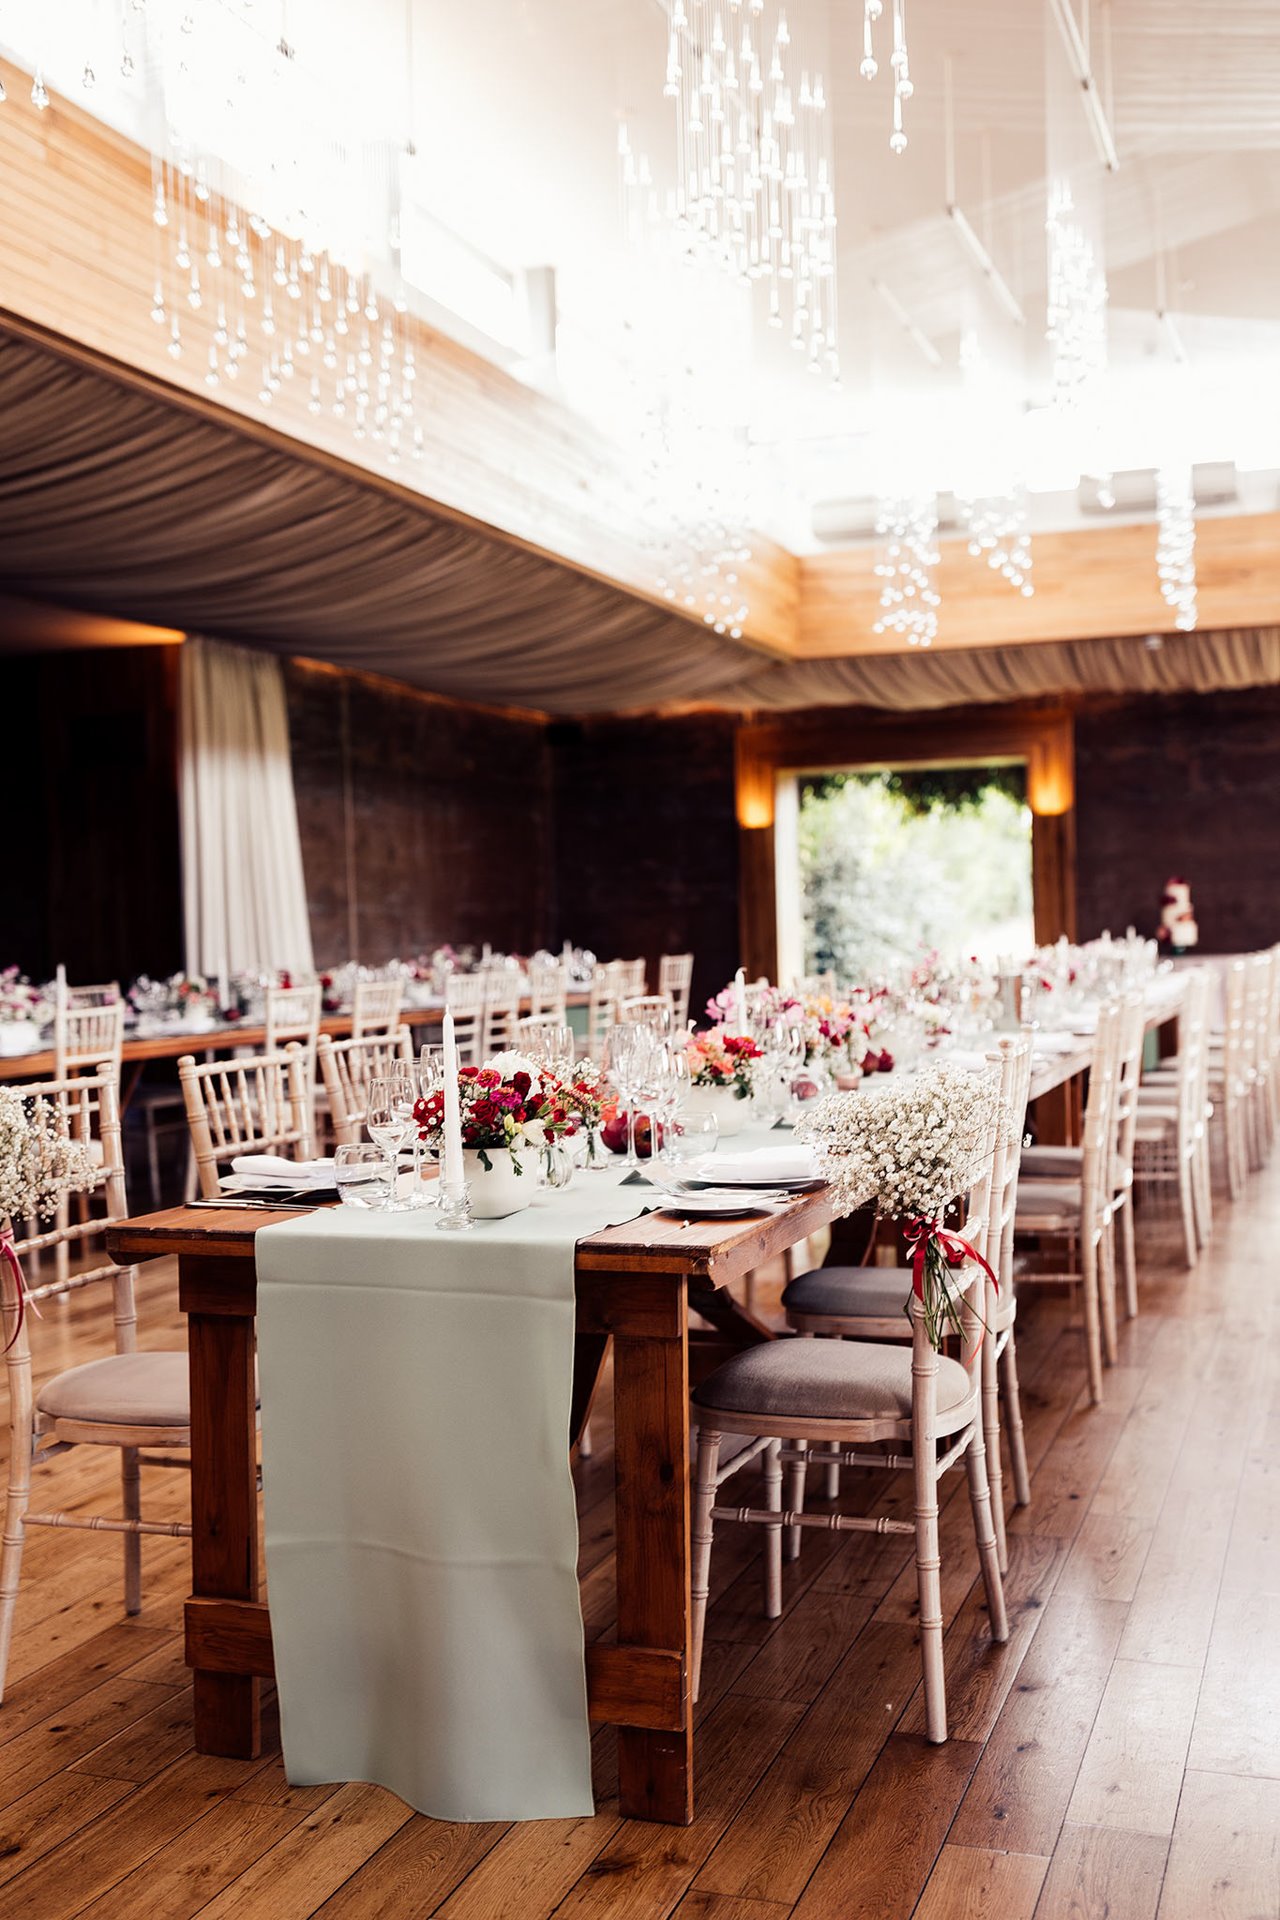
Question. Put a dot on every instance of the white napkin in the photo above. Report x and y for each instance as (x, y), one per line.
(968, 1058)
(274, 1166)
(762, 1164)
(1057, 1043)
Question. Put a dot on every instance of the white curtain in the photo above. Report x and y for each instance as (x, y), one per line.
(244, 896)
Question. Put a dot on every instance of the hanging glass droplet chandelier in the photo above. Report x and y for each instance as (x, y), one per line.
(907, 523)
(1176, 543)
(755, 158)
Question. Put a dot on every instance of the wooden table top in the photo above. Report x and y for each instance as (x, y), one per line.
(655, 1242)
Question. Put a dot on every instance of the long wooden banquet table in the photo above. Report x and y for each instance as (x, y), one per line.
(223, 1037)
(637, 1285)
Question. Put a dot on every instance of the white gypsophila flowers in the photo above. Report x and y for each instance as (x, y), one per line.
(39, 1161)
(911, 1147)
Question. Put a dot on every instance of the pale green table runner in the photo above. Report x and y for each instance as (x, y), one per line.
(421, 1532)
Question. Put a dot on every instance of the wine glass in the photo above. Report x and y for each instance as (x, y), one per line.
(388, 1124)
(626, 1052)
(691, 1137)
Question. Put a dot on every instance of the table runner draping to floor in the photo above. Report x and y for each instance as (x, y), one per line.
(421, 1532)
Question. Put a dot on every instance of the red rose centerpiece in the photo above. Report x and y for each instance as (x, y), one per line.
(510, 1109)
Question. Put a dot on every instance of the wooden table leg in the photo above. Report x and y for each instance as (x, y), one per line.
(651, 1441)
(224, 1486)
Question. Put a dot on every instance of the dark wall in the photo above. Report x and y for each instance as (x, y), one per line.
(1187, 785)
(421, 823)
(646, 842)
(88, 776)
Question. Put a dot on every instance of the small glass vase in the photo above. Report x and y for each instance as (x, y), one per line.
(593, 1155)
(555, 1165)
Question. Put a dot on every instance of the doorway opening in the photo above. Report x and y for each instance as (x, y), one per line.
(876, 864)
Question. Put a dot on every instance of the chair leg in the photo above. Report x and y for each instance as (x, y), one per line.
(153, 1157)
(1187, 1204)
(1204, 1188)
(929, 1587)
(1107, 1292)
(984, 1529)
(16, 1504)
(1092, 1327)
(1129, 1258)
(1013, 1422)
(991, 1437)
(797, 1473)
(773, 1534)
(831, 1474)
(131, 1490)
(704, 1498)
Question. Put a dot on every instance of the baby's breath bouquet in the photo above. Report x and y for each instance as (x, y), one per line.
(913, 1147)
(39, 1161)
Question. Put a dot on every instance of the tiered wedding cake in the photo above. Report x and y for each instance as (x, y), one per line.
(1178, 927)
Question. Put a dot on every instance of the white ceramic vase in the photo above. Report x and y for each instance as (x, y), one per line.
(731, 1113)
(499, 1190)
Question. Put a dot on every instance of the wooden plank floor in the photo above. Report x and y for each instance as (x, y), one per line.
(1120, 1757)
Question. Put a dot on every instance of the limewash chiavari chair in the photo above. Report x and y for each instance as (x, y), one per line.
(293, 1013)
(1055, 1163)
(257, 1104)
(500, 1014)
(856, 1395)
(648, 1010)
(1077, 1211)
(101, 995)
(548, 994)
(869, 1303)
(464, 997)
(127, 1399)
(1229, 1073)
(602, 1007)
(675, 978)
(1173, 1117)
(1258, 1064)
(630, 978)
(347, 1067)
(86, 1037)
(375, 1007)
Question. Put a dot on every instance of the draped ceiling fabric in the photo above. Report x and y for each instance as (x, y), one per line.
(120, 499)
(243, 894)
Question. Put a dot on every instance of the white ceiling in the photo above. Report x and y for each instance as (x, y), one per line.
(514, 107)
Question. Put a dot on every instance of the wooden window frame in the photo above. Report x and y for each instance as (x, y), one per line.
(790, 744)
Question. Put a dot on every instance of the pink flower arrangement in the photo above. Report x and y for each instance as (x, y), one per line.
(718, 1059)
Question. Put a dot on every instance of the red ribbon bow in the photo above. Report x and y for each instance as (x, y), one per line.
(918, 1235)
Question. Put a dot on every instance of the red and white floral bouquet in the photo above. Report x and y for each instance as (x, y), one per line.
(510, 1103)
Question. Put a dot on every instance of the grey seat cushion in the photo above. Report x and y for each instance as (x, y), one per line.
(1056, 1162)
(825, 1379)
(874, 1293)
(124, 1390)
(1048, 1199)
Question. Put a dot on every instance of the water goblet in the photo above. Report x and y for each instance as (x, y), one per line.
(360, 1175)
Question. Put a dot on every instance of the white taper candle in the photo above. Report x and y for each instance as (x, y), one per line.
(451, 1158)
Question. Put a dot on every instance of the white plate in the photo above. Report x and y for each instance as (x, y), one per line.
(709, 1206)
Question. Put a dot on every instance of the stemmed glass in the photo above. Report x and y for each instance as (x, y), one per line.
(430, 1080)
(627, 1048)
(389, 1120)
